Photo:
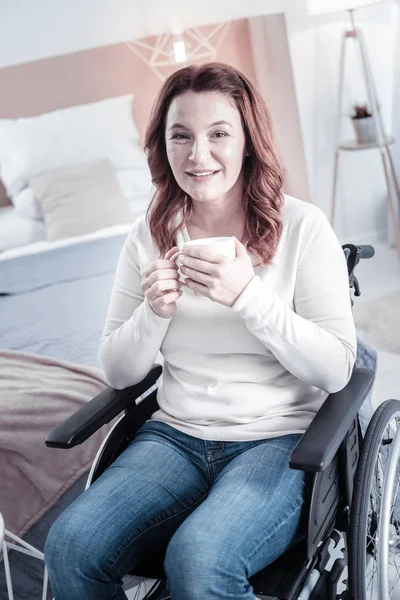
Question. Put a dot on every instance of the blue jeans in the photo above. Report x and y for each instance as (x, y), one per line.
(221, 510)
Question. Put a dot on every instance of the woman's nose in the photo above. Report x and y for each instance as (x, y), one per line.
(199, 151)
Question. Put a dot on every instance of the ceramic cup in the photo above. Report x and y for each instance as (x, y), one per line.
(220, 245)
(224, 246)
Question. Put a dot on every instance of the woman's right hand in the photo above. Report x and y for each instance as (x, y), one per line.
(161, 285)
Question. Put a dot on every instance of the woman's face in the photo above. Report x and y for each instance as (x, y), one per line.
(205, 145)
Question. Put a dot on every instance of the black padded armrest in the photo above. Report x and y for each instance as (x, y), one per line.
(321, 441)
(99, 411)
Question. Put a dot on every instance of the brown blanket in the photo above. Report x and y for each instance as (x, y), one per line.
(36, 394)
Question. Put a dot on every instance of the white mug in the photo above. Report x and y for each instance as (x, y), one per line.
(224, 246)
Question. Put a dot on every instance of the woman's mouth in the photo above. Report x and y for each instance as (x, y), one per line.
(202, 175)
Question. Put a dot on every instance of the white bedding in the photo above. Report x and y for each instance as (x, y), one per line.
(16, 230)
(30, 147)
(66, 137)
(43, 245)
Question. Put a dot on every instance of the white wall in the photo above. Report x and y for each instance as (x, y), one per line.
(35, 29)
(315, 51)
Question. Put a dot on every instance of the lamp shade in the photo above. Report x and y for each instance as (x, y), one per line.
(319, 7)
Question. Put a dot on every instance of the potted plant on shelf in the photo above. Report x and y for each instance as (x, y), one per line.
(364, 124)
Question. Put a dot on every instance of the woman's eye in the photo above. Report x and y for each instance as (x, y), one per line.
(184, 136)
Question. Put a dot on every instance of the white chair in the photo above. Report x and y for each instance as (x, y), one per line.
(19, 546)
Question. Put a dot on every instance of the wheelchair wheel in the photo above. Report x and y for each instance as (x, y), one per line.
(374, 532)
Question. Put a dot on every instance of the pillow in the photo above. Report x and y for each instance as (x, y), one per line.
(135, 184)
(27, 205)
(17, 231)
(79, 134)
(80, 199)
(137, 187)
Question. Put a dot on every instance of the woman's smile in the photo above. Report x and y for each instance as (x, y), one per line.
(202, 176)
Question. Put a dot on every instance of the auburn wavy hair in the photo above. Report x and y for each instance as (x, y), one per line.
(263, 176)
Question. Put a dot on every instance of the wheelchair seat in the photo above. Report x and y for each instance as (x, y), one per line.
(339, 461)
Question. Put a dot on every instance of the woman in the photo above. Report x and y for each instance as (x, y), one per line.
(248, 360)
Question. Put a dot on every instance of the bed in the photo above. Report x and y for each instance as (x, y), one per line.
(53, 303)
(17, 230)
(75, 188)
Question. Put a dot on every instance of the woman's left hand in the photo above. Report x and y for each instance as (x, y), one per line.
(217, 277)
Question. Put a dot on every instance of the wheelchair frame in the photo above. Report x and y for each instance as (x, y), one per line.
(328, 451)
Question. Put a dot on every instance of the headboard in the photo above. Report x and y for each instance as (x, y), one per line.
(91, 75)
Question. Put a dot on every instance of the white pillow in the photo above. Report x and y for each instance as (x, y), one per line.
(135, 184)
(17, 231)
(27, 205)
(80, 199)
(79, 134)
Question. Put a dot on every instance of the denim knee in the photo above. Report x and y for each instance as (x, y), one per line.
(198, 565)
(67, 550)
(60, 537)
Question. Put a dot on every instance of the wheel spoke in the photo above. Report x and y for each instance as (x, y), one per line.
(374, 570)
(370, 498)
(392, 589)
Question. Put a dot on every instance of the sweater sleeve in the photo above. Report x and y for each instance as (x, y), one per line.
(316, 341)
(133, 332)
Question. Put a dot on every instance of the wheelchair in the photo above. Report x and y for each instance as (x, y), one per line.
(351, 550)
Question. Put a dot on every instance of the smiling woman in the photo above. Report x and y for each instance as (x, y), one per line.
(248, 359)
(206, 156)
(211, 119)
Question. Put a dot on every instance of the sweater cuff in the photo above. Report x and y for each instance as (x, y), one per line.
(255, 301)
(153, 319)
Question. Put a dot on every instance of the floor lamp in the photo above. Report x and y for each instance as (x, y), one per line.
(383, 141)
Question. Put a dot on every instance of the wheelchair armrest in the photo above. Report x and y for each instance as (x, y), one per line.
(321, 441)
(99, 411)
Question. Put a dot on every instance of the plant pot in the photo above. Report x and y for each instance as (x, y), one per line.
(365, 129)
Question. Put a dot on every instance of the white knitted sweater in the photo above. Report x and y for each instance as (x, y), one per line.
(259, 369)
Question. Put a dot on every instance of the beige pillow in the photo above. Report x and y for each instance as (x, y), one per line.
(80, 199)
